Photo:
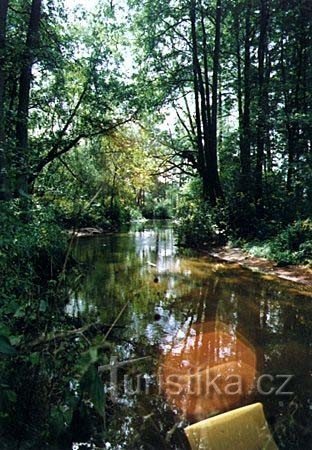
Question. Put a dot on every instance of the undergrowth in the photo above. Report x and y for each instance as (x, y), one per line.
(291, 246)
(48, 371)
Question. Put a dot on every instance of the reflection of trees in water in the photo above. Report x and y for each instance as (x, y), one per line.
(276, 322)
(194, 290)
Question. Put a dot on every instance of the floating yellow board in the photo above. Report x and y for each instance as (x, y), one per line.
(241, 429)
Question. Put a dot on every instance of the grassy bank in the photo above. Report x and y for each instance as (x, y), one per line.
(291, 246)
(200, 226)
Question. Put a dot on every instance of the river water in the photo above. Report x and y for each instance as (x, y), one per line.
(173, 310)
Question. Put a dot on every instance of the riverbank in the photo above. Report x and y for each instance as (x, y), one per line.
(87, 232)
(295, 273)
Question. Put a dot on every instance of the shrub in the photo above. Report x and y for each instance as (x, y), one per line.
(33, 296)
(201, 226)
(135, 215)
(294, 244)
(31, 243)
(291, 246)
(242, 216)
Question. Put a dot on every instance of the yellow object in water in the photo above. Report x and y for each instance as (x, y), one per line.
(241, 429)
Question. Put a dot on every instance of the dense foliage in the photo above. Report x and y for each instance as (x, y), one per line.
(48, 372)
(238, 77)
(290, 246)
(191, 109)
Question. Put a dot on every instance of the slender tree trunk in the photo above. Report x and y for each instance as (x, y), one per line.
(269, 163)
(244, 100)
(199, 131)
(262, 104)
(239, 80)
(3, 158)
(206, 68)
(32, 42)
(208, 173)
(299, 111)
(214, 106)
(288, 125)
(220, 116)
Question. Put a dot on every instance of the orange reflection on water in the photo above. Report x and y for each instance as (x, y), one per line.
(210, 370)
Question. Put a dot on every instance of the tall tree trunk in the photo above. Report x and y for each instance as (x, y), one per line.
(206, 111)
(262, 105)
(199, 132)
(32, 42)
(3, 159)
(214, 106)
(268, 153)
(208, 172)
(288, 125)
(244, 100)
(239, 79)
(206, 67)
(299, 111)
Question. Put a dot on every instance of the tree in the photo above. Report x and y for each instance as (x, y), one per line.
(187, 59)
(206, 108)
(3, 156)
(263, 77)
(243, 13)
(57, 95)
(28, 59)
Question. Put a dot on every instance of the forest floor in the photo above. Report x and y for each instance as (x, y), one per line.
(297, 274)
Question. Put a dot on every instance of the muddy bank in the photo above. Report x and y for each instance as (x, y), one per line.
(297, 274)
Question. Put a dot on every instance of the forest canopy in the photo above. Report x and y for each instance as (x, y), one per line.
(219, 91)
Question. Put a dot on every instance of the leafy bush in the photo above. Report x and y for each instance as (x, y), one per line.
(294, 244)
(291, 246)
(31, 243)
(135, 214)
(36, 340)
(201, 226)
(116, 215)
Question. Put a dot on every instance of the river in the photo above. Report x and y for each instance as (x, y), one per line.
(166, 299)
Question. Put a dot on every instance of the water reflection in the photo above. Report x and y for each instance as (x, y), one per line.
(172, 301)
(208, 371)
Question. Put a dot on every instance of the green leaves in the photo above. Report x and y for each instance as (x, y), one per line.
(34, 358)
(86, 360)
(92, 385)
(43, 306)
(5, 346)
(7, 398)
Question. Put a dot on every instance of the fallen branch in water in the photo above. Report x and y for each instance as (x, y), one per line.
(45, 339)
